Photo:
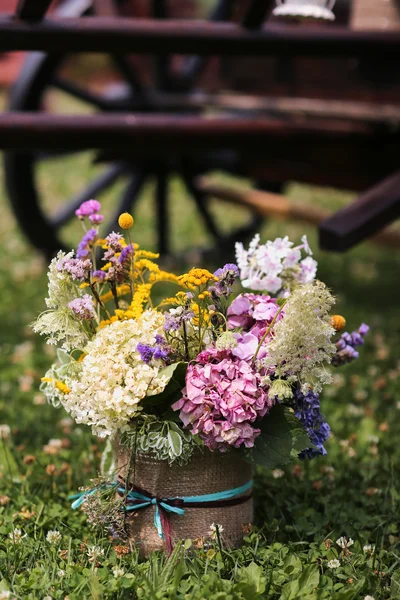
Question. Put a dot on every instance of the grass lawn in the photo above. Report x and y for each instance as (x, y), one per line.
(301, 510)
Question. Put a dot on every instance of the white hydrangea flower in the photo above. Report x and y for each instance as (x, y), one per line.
(344, 542)
(334, 563)
(53, 536)
(114, 379)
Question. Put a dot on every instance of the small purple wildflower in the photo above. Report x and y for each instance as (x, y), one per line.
(346, 345)
(86, 243)
(96, 219)
(126, 254)
(101, 275)
(148, 353)
(83, 308)
(88, 208)
(226, 278)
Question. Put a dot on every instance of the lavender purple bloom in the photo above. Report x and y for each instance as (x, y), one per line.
(226, 278)
(126, 254)
(346, 345)
(308, 411)
(148, 353)
(86, 243)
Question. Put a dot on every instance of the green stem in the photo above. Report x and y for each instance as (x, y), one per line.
(266, 333)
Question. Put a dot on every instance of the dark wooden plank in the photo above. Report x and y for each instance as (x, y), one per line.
(362, 218)
(160, 132)
(195, 37)
(257, 12)
(32, 10)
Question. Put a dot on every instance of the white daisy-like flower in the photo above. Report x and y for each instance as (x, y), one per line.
(334, 563)
(16, 536)
(118, 572)
(344, 542)
(54, 536)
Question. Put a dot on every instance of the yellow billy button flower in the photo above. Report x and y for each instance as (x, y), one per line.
(338, 322)
(125, 221)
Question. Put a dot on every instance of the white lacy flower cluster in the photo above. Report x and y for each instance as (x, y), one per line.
(302, 339)
(275, 266)
(114, 379)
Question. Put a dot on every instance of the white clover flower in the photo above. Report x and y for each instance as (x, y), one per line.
(5, 431)
(61, 573)
(368, 548)
(114, 379)
(16, 536)
(373, 439)
(213, 530)
(277, 473)
(118, 572)
(334, 563)
(94, 553)
(53, 536)
(344, 542)
(369, 598)
(48, 598)
(5, 595)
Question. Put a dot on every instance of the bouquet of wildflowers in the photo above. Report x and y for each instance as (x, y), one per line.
(231, 361)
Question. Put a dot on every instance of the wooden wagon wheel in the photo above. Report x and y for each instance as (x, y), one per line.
(43, 72)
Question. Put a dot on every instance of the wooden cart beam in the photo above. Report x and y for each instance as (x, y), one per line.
(32, 10)
(362, 218)
(158, 133)
(101, 34)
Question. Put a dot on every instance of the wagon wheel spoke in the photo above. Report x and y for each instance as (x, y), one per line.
(80, 93)
(201, 202)
(128, 198)
(128, 71)
(161, 201)
(101, 183)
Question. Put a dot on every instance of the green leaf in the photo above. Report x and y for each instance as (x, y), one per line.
(309, 579)
(175, 442)
(176, 374)
(254, 576)
(8, 464)
(282, 437)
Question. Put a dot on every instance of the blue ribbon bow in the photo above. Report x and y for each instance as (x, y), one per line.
(165, 503)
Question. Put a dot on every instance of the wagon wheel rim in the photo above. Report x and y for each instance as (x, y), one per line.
(48, 238)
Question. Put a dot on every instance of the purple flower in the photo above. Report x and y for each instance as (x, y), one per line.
(148, 353)
(307, 410)
(222, 399)
(226, 278)
(77, 268)
(83, 308)
(346, 344)
(101, 275)
(96, 219)
(126, 254)
(88, 208)
(86, 243)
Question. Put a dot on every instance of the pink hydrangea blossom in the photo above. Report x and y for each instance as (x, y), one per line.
(223, 397)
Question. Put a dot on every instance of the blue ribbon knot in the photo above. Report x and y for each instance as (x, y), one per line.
(136, 500)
